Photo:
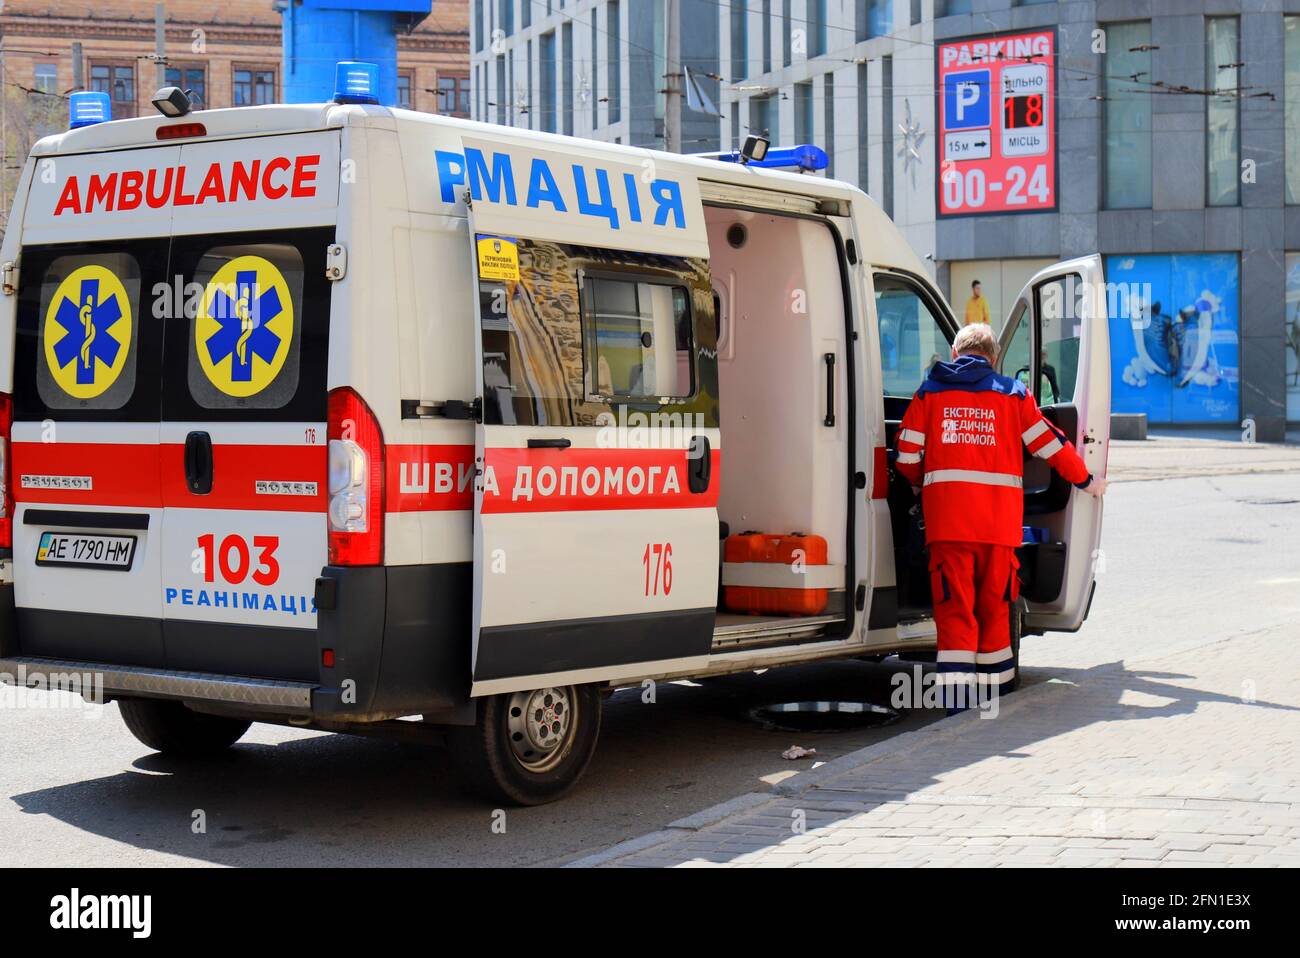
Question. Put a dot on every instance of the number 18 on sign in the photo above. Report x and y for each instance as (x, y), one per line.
(997, 124)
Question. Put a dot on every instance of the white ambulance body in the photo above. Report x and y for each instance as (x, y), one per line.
(337, 415)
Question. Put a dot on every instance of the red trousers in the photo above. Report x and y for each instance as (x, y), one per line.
(974, 585)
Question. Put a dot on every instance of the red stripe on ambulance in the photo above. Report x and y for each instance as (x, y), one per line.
(149, 476)
(572, 480)
(429, 478)
(124, 474)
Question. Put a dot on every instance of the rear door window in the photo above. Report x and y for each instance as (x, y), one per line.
(88, 334)
(251, 342)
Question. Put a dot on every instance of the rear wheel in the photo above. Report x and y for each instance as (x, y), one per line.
(171, 728)
(529, 748)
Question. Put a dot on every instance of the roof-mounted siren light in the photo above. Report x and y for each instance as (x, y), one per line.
(88, 107)
(804, 157)
(356, 82)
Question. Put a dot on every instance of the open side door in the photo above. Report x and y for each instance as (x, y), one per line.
(596, 554)
(1056, 341)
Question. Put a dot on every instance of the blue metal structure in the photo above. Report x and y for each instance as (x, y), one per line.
(317, 34)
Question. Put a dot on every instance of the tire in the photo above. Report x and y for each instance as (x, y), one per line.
(172, 729)
(507, 761)
(1017, 615)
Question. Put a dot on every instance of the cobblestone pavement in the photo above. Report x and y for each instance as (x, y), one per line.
(1184, 760)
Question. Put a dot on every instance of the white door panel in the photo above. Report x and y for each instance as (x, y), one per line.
(1067, 302)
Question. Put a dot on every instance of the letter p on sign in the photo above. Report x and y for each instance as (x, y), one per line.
(966, 100)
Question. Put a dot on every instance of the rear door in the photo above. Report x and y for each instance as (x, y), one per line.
(1056, 341)
(87, 524)
(243, 452)
(596, 531)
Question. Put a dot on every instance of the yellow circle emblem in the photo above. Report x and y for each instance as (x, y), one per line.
(245, 326)
(88, 331)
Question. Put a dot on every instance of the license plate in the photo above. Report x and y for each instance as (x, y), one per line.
(86, 551)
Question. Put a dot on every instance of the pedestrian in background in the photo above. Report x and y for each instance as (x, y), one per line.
(977, 307)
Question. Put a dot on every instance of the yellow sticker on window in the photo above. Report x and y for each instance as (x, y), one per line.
(88, 331)
(245, 326)
(498, 258)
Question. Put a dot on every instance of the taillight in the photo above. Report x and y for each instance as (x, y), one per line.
(356, 481)
(6, 486)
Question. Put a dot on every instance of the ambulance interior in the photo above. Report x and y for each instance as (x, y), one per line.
(784, 414)
(914, 334)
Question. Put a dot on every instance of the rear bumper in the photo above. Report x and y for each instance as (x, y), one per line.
(92, 679)
(398, 636)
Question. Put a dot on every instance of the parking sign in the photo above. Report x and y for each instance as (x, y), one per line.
(997, 124)
(966, 99)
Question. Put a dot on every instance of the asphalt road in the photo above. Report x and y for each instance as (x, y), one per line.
(1188, 558)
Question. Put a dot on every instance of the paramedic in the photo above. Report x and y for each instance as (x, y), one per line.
(960, 442)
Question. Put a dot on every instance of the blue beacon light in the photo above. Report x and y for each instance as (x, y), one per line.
(805, 156)
(356, 82)
(88, 107)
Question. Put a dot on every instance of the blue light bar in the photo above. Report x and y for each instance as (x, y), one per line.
(356, 82)
(805, 156)
(87, 107)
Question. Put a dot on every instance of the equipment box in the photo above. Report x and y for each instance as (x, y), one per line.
(776, 574)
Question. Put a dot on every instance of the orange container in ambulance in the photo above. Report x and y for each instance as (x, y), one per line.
(360, 419)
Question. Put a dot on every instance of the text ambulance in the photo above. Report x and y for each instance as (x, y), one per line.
(339, 415)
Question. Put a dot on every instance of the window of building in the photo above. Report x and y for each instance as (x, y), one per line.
(863, 138)
(252, 87)
(951, 8)
(526, 14)
(763, 117)
(595, 75)
(828, 121)
(1127, 108)
(502, 95)
(480, 27)
(787, 31)
(874, 18)
(816, 27)
(614, 57)
(46, 78)
(887, 141)
(1291, 104)
(118, 81)
(767, 36)
(567, 59)
(739, 39)
(404, 100)
(1222, 112)
(453, 95)
(506, 16)
(192, 77)
(546, 82)
(803, 112)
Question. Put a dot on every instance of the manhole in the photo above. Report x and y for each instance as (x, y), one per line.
(822, 716)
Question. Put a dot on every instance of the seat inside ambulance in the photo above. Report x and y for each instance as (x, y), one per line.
(783, 383)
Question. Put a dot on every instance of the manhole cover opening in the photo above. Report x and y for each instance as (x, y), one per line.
(825, 716)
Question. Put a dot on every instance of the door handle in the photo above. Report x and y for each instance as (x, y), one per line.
(829, 359)
(699, 464)
(549, 443)
(198, 463)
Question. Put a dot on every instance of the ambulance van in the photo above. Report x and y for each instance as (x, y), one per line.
(364, 420)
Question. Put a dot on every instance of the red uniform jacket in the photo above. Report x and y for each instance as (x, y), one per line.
(961, 442)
